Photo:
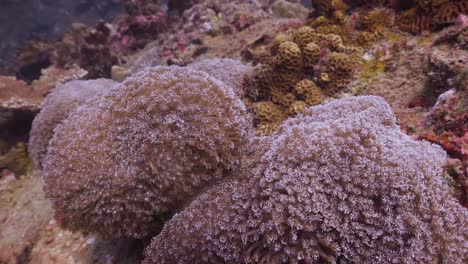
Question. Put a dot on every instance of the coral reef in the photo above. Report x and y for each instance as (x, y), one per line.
(303, 203)
(229, 71)
(183, 44)
(302, 68)
(156, 140)
(134, 30)
(57, 106)
(171, 154)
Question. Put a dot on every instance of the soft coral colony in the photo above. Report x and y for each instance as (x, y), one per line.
(170, 153)
(219, 162)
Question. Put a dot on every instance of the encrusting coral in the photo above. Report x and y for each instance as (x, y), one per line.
(229, 71)
(126, 160)
(57, 106)
(339, 184)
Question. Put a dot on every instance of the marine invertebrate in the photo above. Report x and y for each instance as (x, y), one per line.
(340, 70)
(63, 99)
(309, 92)
(304, 35)
(311, 54)
(289, 56)
(297, 107)
(128, 159)
(339, 183)
(269, 116)
(277, 41)
(229, 71)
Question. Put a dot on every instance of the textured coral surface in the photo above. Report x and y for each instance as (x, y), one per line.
(229, 71)
(334, 185)
(176, 131)
(63, 100)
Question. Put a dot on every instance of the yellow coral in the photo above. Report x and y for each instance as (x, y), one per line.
(286, 80)
(365, 38)
(275, 44)
(340, 63)
(333, 41)
(268, 112)
(270, 116)
(311, 93)
(314, 97)
(320, 21)
(283, 98)
(263, 74)
(297, 107)
(266, 129)
(304, 86)
(311, 54)
(304, 35)
(330, 29)
(289, 56)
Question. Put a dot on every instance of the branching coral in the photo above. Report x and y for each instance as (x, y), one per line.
(129, 158)
(229, 71)
(340, 183)
(57, 106)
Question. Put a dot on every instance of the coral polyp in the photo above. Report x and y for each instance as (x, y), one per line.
(130, 158)
(339, 184)
(57, 106)
(235, 132)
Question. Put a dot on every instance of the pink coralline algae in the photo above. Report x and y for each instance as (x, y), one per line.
(126, 160)
(339, 184)
(57, 106)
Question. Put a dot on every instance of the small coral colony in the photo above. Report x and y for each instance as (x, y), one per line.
(270, 160)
